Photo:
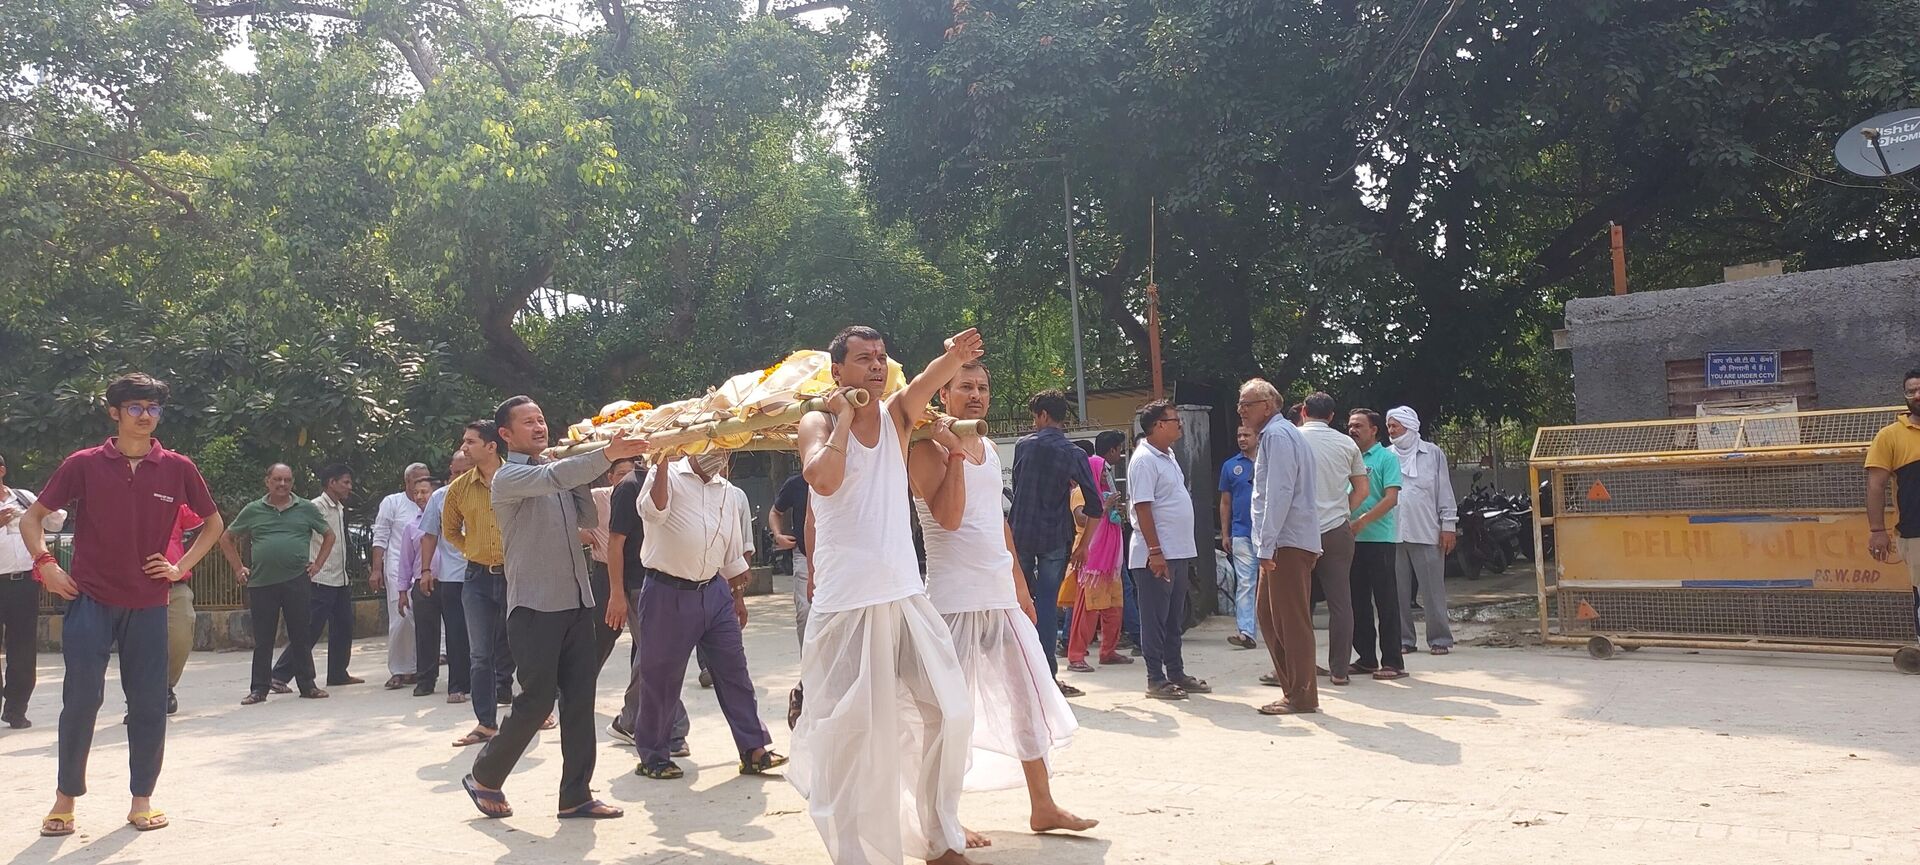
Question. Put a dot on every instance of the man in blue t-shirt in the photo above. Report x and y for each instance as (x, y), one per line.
(1236, 543)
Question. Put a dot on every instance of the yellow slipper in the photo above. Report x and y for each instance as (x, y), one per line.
(56, 825)
(147, 821)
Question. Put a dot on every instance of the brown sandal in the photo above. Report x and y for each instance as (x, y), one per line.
(1388, 674)
(473, 737)
(1285, 707)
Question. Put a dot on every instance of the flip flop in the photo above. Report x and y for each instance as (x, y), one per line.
(1386, 675)
(1270, 680)
(473, 737)
(1339, 680)
(1284, 707)
(253, 699)
(313, 694)
(592, 809)
(478, 795)
(147, 821)
(1439, 650)
(65, 827)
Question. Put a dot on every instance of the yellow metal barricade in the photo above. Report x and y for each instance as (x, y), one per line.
(1739, 531)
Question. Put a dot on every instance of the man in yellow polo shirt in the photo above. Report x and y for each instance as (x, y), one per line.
(466, 522)
(1895, 455)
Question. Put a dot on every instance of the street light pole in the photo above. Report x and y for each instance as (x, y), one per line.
(1073, 294)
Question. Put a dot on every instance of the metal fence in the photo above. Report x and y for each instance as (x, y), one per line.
(1740, 531)
(213, 582)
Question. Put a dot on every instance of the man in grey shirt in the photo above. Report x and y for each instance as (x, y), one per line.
(550, 618)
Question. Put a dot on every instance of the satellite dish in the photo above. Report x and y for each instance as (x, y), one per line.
(1882, 146)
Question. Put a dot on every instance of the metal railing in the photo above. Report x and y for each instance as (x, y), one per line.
(1737, 531)
(213, 582)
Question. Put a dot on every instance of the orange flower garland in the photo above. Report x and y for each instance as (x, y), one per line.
(636, 408)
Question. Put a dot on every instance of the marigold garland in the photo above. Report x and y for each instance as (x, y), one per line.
(603, 419)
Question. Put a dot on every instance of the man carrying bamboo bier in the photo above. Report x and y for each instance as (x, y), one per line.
(540, 505)
(874, 641)
(695, 565)
(975, 583)
(117, 592)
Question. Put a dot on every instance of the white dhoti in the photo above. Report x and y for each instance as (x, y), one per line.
(1021, 713)
(881, 748)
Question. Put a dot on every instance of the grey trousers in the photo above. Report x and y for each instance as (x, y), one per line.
(1331, 572)
(1424, 562)
(801, 606)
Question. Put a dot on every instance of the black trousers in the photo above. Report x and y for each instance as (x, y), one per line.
(330, 610)
(19, 614)
(269, 605)
(1376, 593)
(604, 636)
(444, 607)
(556, 656)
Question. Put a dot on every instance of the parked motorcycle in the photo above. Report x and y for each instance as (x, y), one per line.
(1486, 532)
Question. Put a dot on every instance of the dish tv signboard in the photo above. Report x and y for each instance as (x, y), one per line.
(1882, 146)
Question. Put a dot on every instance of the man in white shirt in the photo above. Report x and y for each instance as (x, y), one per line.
(331, 607)
(1163, 554)
(1286, 537)
(745, 508)
(1426, 518)
(19, 601)
(1339, 486)
(693, 531)
(875, 644)
(396, 511)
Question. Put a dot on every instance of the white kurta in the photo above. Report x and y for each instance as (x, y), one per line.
(880, 750)
(1020, 715)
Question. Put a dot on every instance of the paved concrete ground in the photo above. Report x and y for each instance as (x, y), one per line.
(1485, 756)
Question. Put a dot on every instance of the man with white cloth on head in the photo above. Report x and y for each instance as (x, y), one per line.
(1426, 516)
(396, 512)
(976, 584)
(880, 749)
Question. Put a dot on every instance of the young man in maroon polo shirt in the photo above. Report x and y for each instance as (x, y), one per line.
(129, 491)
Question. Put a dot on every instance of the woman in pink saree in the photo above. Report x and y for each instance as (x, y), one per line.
(1100, 598)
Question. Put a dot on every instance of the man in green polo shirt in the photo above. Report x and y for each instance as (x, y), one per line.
(1376, 590)
(280, 583)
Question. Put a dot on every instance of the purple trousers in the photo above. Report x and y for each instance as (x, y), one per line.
(674, 620)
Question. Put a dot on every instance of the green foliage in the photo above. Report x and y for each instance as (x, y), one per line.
(407, 210)
(1385, 199)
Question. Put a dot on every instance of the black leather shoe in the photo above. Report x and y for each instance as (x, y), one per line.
(173, 703)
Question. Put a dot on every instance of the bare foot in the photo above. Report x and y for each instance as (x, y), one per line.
(952, 857)
(1061, 819)
(976, 840)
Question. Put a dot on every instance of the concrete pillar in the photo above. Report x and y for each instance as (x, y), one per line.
(1194, 452)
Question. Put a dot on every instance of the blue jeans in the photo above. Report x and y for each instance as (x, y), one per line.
(485, 600)
(1246, 578)
(87, 637)
(1044, 572)
(1130, 612)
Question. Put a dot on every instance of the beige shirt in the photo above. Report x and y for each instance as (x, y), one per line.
(333, 572)
(1336, 462)
(698, 535)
